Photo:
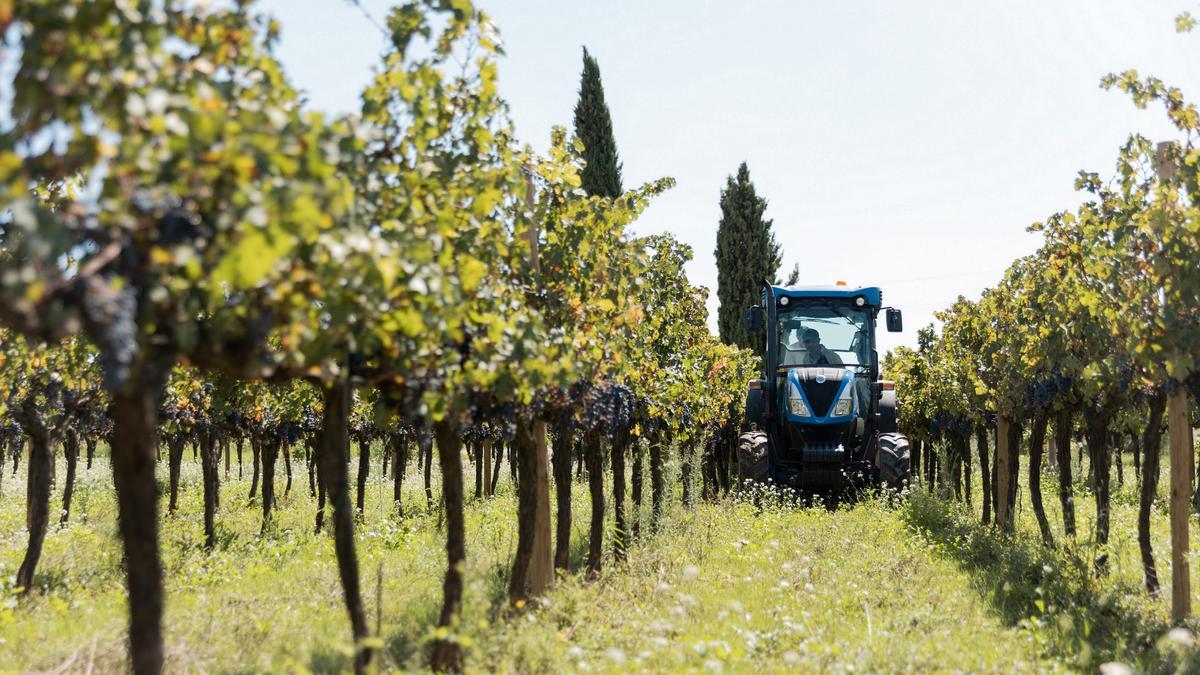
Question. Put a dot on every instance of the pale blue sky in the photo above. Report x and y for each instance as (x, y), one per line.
(903, 144)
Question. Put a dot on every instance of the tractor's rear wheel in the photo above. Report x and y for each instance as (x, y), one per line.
(752, 459)
(893, 461)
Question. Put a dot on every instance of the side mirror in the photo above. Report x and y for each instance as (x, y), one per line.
(753, 319)
(895, 320)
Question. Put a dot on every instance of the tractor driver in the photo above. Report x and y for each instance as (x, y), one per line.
(815, 353)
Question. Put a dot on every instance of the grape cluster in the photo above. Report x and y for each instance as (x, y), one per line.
(945, 425)
(1040, 395)
(608, 408)
(362, 430)
(290, 432)
(686, 418)
(558, 402)
(10, 432)
(504, 421)
(309, 422)
(476, 433)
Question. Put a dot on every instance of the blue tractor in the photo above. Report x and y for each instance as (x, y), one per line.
(820, 419)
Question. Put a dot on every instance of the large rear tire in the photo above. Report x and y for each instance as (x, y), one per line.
(752, 459)
(892, 458)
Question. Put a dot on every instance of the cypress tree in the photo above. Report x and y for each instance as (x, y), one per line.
(593, 126)
(747, 253)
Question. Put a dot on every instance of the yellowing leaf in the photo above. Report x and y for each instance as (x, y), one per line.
(473, 271)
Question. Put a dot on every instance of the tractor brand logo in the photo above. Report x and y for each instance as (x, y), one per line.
(820, 379)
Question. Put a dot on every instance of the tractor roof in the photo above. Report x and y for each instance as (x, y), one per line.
(872, 293)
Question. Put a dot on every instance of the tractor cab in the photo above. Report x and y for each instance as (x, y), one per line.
(819, 407)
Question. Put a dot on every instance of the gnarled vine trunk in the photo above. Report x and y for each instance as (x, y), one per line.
(321, 501)
(657, 485)
(964, 452)
(268, 454)
(709, 487)
(364, 472)
(1152, 448)
(447, 654)
(134, 412)
(560, 461)
(687, 452)
(1096, 420)
(996, 473)
(333, 464)
(593, 455)
(71, 451)
(1014, 472)
(1037, 444)
(985, 476)
(256, 443)
(931, 465)
(915, 457)
(499, 461)
(620, 443)
(90, 443)
(174, 464)
(37, 508)
(287, 465)
(310, 442)
(523, 448)
(1118, 461)
(425, 448)
(1062, 446)
(210, 464)
(399, 463)
(635, 487)
(17, 449)
(725, 455)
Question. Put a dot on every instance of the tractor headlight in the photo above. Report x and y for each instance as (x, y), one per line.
(796, 404)
(798, 408)
(845, 403)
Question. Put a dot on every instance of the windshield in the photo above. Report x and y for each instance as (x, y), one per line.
(824, 333)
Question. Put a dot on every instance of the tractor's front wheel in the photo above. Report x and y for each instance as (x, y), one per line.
(752, 459)
(892, 458)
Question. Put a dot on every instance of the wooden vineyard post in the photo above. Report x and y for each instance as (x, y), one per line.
(1180, 432)
(486, 451)
(1002, 473)
(541, 578)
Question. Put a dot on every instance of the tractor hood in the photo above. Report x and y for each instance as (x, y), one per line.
(819, 396)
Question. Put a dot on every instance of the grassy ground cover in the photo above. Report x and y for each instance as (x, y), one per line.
(917, 586)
